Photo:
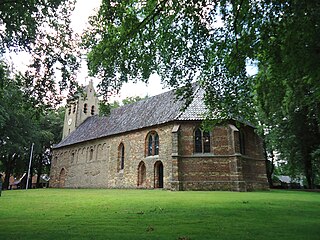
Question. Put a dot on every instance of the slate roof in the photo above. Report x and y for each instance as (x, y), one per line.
(152, 111)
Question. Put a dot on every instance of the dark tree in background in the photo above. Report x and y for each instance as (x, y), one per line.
(22, 124)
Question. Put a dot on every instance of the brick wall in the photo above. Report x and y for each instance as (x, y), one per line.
(95, 164)
(102, 169)
(224, 168)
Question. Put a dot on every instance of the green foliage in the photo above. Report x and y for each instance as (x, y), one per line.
(21, 21)
(42, 29)
(141, 214)
(21, 124)
(129, 100)
(179, 40)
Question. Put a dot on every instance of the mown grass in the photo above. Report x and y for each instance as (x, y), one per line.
(156, 214)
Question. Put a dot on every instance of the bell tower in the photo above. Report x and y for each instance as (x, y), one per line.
(77, 111)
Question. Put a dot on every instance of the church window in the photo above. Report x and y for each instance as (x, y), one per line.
(91, 154)
(74, 108)
(201, 141)
(92, 110)
(156, 144)
(69, 112)
(121, 156)
(152, 144)
(242, 142)
(72, 157)
(198, 141)
(85, 108)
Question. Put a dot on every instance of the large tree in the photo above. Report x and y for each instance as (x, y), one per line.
(42, 29)
(21, 124)
(213, 42)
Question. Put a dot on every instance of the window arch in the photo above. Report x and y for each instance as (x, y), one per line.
(92, 110)
(202, 143)
(85, 108)
(121, 157)
(152, 144)
(72, 157)
(91, 154)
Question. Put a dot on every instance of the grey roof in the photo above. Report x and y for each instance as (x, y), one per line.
(196, 109)
(152, 111)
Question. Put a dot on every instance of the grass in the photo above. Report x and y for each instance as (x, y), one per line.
(156, 214)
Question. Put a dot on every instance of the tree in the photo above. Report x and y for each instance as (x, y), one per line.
(42, 28)
(15, 122)
(213, 42)
(21, 124)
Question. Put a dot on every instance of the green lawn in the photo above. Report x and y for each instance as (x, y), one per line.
(157, 214)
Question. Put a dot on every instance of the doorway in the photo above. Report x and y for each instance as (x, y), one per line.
(141, 174)
(62, 177)
(158, 175)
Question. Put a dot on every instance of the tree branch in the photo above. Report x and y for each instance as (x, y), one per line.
(144, 22)
(235, 24)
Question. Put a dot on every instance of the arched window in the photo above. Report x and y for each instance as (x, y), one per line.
(92, 110)
(206, 142)
(69, 110)
(91, 154)
(156, 144)
(152, 144)
(72, 157)
(198, 141)
(74, 108)
(202, 141)
(121, 157)
(85, 108)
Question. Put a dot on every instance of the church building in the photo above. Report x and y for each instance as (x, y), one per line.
(154, 144)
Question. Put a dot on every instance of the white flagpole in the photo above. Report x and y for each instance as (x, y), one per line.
(29, 166)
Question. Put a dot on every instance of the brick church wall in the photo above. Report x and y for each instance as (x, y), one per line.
(224, 168)
(102, 170)
(95, 164)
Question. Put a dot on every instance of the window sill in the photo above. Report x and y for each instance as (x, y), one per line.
(152, 157)
(203, 154)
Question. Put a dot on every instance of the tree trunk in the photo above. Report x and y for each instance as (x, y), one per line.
(39, 170)
(309, 172)
(269, 165)
(8, 170)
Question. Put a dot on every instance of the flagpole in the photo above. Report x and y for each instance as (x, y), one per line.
(29, 166)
